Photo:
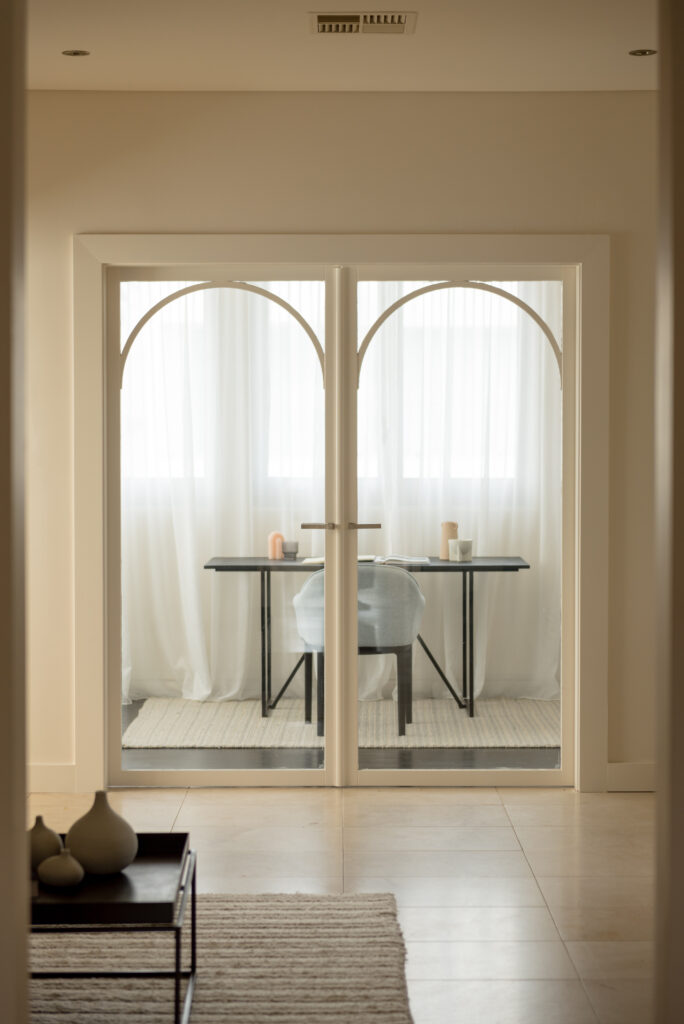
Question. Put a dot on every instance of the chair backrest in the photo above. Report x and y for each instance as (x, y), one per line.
(390, 607)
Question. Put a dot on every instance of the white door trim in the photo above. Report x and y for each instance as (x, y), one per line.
(588, 254)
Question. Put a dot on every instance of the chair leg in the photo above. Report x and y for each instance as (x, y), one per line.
(404, 688)
(401, 697)
(308, 676)
(408, 671)
(320, 691)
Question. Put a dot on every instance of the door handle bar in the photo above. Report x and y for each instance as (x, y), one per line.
(335, 526)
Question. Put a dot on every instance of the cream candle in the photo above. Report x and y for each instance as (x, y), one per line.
(449, 532)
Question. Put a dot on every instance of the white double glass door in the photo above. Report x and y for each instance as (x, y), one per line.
(283, 451)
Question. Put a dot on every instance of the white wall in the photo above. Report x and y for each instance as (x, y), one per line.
(331, 163)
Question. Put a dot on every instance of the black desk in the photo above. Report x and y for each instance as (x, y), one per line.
(265, 566)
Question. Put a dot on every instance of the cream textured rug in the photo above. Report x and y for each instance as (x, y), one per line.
(261, 960)
(175, 723)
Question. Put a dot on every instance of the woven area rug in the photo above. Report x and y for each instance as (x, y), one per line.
(261, 960)
(177, 723)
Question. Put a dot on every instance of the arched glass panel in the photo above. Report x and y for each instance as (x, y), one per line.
(222, 446)
(459, 422)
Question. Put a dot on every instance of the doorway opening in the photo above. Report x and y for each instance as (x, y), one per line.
(221, 398)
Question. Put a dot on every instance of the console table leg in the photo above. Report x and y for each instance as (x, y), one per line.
(193, 921)
(177, 979)
(264, 701)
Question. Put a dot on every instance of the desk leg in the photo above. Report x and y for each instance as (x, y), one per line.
(320, 693)
(464, 639)
(264, 700)
(471, 645)
(268, 636)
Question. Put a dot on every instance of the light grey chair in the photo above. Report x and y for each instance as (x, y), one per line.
(390, 611)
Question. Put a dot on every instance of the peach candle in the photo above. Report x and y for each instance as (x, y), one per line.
(275, 545)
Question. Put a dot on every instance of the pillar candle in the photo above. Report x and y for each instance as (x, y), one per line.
(275, 545)
(449, 532)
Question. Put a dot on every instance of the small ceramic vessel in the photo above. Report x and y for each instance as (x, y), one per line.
(43, 842)
(62, 870)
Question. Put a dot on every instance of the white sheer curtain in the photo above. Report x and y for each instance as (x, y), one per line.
(460, 419)
(222, 433)
(222, 441)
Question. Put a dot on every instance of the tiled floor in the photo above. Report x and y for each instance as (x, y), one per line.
(517, 905)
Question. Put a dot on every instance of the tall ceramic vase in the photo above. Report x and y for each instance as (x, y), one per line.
(43, 841)
(102, 841)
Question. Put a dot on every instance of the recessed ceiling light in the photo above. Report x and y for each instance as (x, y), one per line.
(642, 53)
(76, 53)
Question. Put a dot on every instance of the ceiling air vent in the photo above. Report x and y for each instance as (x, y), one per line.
(394, 23)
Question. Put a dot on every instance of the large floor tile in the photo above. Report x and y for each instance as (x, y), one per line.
(500, 1002)
(59, 810)
(148, 809)
(487, 960)
(625, 1001)
(597, 891)
(593, 862)
(477, 924)
(258, 807)
(604, 924)
(537, 795)
(567, 809)
(434, 838)
(600, 960)
(439, 796)
(437, 863)
(451, 892)
(266, 838)
(215, 856)
(607, 836)
(210, 879)
(456, 815)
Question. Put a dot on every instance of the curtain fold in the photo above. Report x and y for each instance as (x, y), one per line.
(222, 441)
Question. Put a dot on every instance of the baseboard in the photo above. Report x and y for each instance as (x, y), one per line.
(631, 776)
(51, 778)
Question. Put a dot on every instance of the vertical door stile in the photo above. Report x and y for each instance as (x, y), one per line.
(340, 559)
(348, 511)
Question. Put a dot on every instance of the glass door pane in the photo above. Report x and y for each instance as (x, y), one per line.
(221, 460)
(459, 435)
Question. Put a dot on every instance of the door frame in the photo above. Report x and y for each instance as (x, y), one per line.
(585, 258)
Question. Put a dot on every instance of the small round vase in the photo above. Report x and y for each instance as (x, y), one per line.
(102, 841)
(43, 841)
(62, 870)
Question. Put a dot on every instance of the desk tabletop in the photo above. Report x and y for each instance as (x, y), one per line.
(496, 563)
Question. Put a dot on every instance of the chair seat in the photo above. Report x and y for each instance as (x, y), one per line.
(390, 609)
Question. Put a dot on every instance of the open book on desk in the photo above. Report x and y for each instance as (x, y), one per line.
(415, 559)
(320, 559)
(378, 559)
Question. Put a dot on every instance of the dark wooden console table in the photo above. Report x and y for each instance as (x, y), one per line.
(150, 895)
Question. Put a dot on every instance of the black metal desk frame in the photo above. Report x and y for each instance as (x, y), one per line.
(266, 566)
(187, 889)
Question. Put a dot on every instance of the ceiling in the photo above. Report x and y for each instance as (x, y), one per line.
(268, 45)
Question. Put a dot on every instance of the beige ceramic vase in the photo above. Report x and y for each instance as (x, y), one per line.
(102, 841)
(62, 869)
(43, 842)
